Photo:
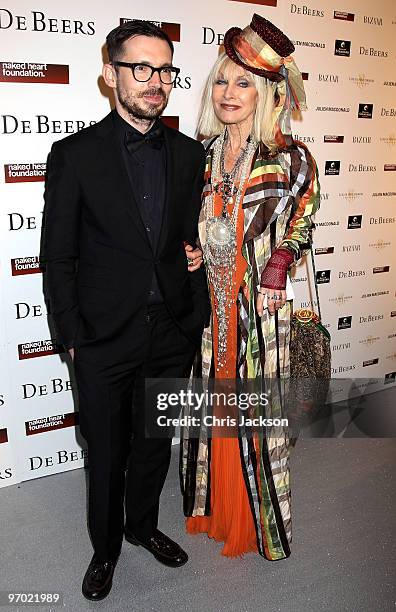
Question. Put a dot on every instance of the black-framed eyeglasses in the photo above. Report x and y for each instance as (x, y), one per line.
(144, 72)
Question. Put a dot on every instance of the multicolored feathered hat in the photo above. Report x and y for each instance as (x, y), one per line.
(263, 49)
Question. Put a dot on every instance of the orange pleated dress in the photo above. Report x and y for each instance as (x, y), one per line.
(231, 519)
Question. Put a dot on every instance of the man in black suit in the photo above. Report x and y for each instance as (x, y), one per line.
(122, 200)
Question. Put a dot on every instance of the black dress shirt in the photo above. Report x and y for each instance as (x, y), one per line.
(146, 168)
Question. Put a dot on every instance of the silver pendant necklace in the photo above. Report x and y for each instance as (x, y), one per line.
(219, 246)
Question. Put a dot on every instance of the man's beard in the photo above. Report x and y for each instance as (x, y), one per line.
(148, 112)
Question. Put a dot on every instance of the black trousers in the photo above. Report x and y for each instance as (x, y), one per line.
(112, 420)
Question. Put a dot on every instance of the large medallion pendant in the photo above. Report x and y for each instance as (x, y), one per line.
(220, 232)
(219, 255)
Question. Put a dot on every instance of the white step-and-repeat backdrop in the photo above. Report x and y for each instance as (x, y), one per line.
(50, 66)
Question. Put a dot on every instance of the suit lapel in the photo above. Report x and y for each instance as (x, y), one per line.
(112, 165)
(169, 186)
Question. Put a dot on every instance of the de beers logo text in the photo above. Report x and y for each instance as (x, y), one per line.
(37, 21)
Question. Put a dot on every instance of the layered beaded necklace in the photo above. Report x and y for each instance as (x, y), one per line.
(219, 246)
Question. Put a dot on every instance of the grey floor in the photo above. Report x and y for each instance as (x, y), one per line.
(343, 556)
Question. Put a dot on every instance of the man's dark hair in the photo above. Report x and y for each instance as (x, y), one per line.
(137, 27)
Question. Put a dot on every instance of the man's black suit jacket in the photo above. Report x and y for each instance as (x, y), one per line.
(95, 251)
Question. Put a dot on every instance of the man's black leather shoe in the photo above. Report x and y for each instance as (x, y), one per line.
(163, 548)
(98, 579)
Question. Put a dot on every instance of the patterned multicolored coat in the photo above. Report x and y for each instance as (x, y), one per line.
(281, 196)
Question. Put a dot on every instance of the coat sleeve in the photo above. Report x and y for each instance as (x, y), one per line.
(304, 183)
(59, 244)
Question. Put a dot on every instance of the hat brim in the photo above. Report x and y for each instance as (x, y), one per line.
(232, 54)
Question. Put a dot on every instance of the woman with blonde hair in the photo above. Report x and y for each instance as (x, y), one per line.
(261, 189)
